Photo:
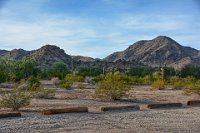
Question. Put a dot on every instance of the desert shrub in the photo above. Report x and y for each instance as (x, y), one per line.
(15, 100)
(45, 93)
(81, 86)
(69, 79)
(55, 81)
(158, 84)
(147, 80)
(65, 84)
(176, 82)
(99, 78)
(192, 89)
(181, 83)
(74, 78)
(34, 84)
(113, 87)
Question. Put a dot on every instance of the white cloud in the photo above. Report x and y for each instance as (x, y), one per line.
(155, 23)
(29, 27)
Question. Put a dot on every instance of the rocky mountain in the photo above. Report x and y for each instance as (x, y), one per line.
(45, 56)
(159, 51)
(15, 54)
(49, 54)
(83, 59)
(3, 52)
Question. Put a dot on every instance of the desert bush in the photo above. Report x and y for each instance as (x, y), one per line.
(158, 84)
(15, 100)
(99, 78)
(192, 89)
(69, 79)
(181, 83)
(65, 84)
(34, 84)
(74, 78)
(113, 87)
(45, 93)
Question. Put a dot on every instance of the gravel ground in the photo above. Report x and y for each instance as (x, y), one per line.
(177, 120)
(182, 120)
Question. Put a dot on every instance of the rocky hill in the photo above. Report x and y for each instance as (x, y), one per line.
(83, 59)
(3, 52)
(159, 51)
(15, 54)
(45, 56)
(49, 54)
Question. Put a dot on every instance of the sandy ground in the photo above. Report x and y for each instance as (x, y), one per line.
(186, 119)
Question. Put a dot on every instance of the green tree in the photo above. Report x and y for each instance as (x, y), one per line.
(168, 72)
(25, 68)
(58, 69)
(89, 71)
(190, 70)
(140, 71)
(6, 70)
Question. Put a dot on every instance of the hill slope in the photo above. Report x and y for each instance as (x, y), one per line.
(157, 52)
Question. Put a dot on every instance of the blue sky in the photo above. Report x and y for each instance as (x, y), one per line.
(96, 28)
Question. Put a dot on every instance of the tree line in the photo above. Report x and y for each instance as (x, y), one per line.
(13, 71)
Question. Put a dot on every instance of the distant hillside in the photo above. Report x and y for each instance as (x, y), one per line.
(160, 51)
(157, 52)
(3, 52)
(15, 54)
(83, 58)
(45, 56)
(49, 54)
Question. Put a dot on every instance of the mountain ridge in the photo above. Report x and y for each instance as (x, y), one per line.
(160, 51)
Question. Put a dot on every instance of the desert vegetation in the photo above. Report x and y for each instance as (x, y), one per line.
(110, 86)
(27, 74)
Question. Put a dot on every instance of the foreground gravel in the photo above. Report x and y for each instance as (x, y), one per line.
(175, 120)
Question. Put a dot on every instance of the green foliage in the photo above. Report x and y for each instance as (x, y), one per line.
(25, 68)
(69, 79)
(190, 70)
(73, 78)
(89, 71)
(112, 87)
(181, 83)
(58, 69)
(34, 84)
(65, 84)
(6, 70)
(15, 100)
(168, 72)
(140, 71)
